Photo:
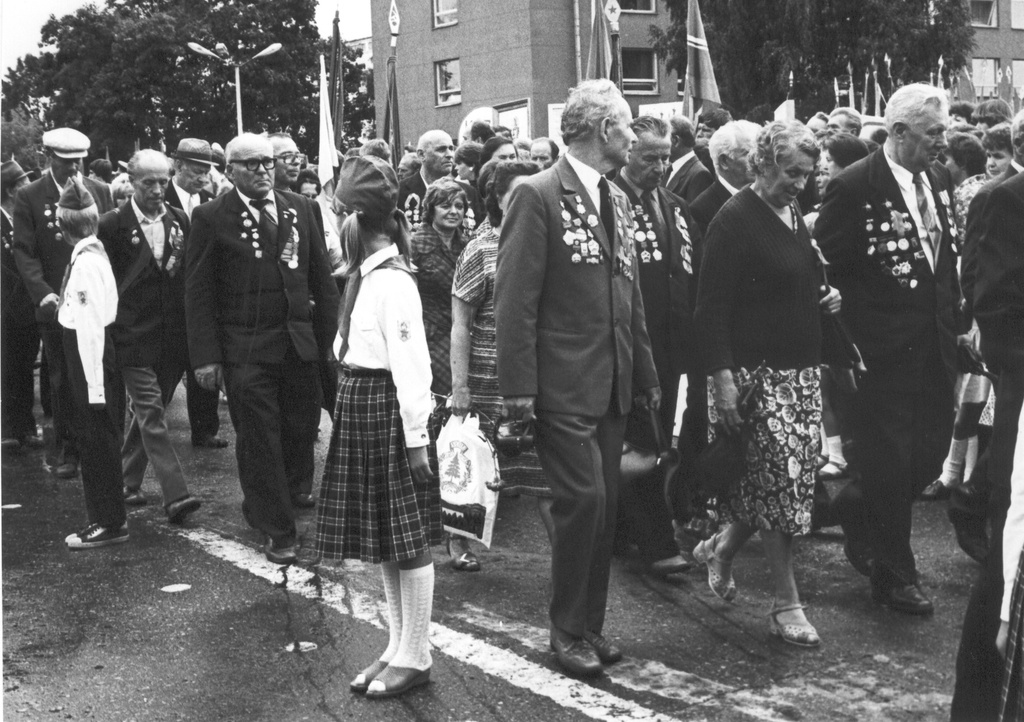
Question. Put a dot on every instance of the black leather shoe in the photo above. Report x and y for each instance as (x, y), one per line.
(133, 498)
(936, 491)
(908, 599)
(576, 656)
(303, 501)
(607, 652)
(209, 442)
(178, 510)
(280, 553)
(67, 470)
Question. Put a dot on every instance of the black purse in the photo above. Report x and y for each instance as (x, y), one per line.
(722, 464)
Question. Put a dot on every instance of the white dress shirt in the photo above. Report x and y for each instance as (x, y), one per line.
(728, 186)
(589, 177)
(189, 201)
(679, 162)
(88, 305)
(386, 332)
(905, 180)
(272, 206)
(153, 228)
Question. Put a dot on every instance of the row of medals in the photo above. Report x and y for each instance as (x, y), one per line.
(647, 239)
(289, 250)
(582, 249)
(902, 245)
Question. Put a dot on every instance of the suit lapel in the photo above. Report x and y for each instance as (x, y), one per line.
(680, 247)
(575, 196)
(139, 250)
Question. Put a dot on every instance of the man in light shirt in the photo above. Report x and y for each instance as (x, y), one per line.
(687, 177)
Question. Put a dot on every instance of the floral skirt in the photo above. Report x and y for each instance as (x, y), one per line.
(777, 491)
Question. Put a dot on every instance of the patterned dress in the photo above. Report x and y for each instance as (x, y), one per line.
(435, 269)
(474, 284)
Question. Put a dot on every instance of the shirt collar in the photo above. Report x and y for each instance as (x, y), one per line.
(143, 219)
(1018, 166)
(248, 201)
(60, 188)
(588, 176)
(182, 193)
(904, 178)
(678, 162)
(728, 186)
(377, 258)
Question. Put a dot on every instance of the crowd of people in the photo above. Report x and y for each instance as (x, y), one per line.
(842, 302)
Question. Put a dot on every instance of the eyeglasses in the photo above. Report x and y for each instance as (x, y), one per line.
(253, 164)
(290, 158)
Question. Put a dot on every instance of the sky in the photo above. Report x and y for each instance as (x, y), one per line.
(21, 21)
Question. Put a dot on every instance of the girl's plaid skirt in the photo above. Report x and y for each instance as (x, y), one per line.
(1013, 677)
(370, 508)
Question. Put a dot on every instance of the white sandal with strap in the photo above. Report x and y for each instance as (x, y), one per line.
(800, 635)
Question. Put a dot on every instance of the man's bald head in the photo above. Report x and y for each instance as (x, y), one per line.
(149, 172)
(437, 152)
(250, 149)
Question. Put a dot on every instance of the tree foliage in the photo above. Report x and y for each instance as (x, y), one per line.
(21, 136)
(755, 44)
(122, 72)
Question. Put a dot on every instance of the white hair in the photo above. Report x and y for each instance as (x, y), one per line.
(731, 137)
(588, 104)
(907, 103)
(1017, 127)
(245, 141)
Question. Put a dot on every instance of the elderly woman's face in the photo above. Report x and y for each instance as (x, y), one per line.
(784, 181)
(449, 215)
(505, 152)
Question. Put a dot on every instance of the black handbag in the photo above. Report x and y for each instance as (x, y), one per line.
(723, 462)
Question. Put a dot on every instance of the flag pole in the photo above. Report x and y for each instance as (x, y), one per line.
(392, 131)
(612, 10)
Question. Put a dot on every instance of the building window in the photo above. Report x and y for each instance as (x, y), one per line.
(1017, 79)
(983, 14)
(639, 70)
(447, 82)
(1017, 14)
(446, 12)
(984, 72)
(637, 6)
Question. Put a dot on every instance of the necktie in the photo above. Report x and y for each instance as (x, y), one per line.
(191, 205)
(607, 212)
(652, 210)
(348, 302)
(927, 217)
(268, 224)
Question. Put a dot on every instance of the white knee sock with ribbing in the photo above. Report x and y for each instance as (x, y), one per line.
(417, 606)
(393, 593)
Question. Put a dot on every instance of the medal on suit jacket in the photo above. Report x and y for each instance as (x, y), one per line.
(250, 231)
(626, 254)
(578, 235)
(893, 242)
(412, 210)
(684, 230)
(647, 245)
(469, 223)
(290, 254)
(951, 220)
(51, 221)
(175, 240)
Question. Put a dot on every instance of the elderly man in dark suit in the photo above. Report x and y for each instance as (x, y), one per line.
(42, 256)
(573, 350)
(145, 242)
(999, 309)
(887, 228)
(193, 161)
(262, 309)
(730, 146)
(19, 335)
(687, 177)
(664, 238)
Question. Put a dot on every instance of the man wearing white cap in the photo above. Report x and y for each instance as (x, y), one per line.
(42, 256)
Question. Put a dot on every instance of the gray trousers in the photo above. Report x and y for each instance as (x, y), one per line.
(147, 439)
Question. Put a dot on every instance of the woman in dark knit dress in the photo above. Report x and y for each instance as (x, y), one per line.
(759, 305)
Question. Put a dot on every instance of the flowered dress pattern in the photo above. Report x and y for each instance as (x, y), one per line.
(777, 491)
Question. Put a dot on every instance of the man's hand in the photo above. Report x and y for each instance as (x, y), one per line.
(49, 304)
(726, 397)
(461, 401)
(210, 377)
(518, 408)
(651, 398)
(97, 405)
(831, 302)
(419, 466)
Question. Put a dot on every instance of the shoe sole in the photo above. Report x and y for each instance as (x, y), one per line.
(96, 545)
(183, 511)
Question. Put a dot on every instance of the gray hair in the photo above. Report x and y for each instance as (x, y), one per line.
(907, 103)
(777, 138)
(731, 137)
(588, 104)
(79, 224)
(851, 113)
(243, 141)
(1017, 127)
(141, 156)
(650, 124)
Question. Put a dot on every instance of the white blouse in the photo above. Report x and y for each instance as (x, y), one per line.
(386, 332)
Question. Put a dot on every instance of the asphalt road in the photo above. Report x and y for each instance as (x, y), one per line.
(95, 634)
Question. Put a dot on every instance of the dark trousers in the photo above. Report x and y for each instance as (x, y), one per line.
(61, 397)
(686, 499)
(272, 409)
(901, 423)
(644, 517)
(979, 666)
(98, 436)
(202, 407)
(581, 456)
(19, 346)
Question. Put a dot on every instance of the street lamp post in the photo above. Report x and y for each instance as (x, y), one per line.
(222, 56)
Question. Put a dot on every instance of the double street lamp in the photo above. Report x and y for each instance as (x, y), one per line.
(223, 56)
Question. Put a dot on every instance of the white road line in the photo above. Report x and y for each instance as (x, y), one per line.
(492, 660)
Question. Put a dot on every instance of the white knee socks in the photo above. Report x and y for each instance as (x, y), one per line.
(417, 599)
(953, 466)
(393, 592)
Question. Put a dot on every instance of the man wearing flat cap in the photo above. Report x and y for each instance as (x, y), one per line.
(261, 311)
(42, 255)
(19, 344)
(193, 162)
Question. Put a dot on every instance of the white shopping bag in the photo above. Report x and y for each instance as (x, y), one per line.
(468, 468)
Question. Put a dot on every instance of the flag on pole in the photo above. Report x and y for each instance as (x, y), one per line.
(328, 151)
(336, 80)
(701, 86)
(835, 84)
(392, 129)
(942, 64)
(864, 98)
(878, 92)
(599, 57)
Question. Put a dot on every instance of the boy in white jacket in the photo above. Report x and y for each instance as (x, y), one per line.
(88, 305)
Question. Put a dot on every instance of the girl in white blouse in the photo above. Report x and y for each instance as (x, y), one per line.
(380, 500)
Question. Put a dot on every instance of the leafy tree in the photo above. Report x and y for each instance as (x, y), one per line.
(122, 73)
(358, 82)
(755, 44)
(21, 137)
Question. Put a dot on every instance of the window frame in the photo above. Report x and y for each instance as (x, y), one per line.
(1017, 14)
(655, 81)
(445, 102)
(994, 14)
(652, 11)
(437, 13)
(986, 90)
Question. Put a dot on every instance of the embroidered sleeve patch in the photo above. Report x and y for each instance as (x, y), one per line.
(403, 330)
(82, 299)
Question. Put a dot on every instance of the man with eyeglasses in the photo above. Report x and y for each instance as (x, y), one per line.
(289, 161)
(193, 162)
(261, 309)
